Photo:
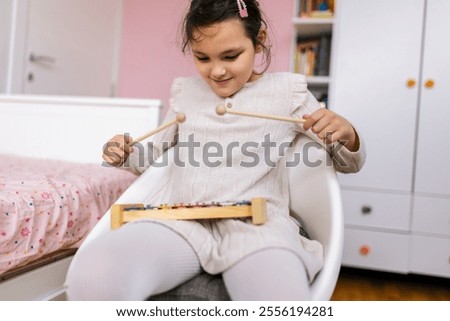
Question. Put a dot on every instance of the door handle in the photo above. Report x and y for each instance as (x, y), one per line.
(429, 83)
(42, 59)
(410, 83)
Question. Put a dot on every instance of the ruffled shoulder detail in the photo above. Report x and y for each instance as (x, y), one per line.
(299, 91)
(175, 93)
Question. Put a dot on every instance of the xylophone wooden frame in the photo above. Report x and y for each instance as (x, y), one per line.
(257, 211)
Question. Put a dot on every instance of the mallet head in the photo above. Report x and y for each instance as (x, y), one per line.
(181, 118)
(221, 110)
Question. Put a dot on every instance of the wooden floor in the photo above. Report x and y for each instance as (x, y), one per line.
(364, 285)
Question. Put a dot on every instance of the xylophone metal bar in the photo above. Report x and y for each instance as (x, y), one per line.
(257, 211)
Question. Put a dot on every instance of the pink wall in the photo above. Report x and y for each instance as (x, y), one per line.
(150, 53)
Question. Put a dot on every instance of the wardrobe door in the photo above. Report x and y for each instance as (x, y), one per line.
(433, 152)
(375, 85)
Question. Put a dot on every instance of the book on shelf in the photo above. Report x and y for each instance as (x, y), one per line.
(323, 64)
(312, 56)
(321, 14)
(316, 9)
(306, 56)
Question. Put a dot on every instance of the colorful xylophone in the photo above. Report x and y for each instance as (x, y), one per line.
(256, 209)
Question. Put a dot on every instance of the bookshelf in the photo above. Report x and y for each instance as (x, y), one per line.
(311, 49)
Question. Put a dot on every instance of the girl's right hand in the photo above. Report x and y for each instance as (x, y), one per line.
(117, 150)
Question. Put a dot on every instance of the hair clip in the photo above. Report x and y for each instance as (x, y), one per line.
(242, 9)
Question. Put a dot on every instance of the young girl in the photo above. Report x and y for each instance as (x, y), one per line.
(265, 262)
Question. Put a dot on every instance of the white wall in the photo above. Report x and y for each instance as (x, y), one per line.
(5, 29)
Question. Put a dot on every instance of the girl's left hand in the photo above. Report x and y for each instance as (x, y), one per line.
(330, 128)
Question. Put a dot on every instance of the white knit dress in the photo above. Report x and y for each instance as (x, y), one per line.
(228, 161)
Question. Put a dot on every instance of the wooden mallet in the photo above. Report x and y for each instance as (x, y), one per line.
(222, 110)
(180, 118)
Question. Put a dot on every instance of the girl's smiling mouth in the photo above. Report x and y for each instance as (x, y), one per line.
(222, 81)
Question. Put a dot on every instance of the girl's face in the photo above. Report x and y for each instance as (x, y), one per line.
(224, 56)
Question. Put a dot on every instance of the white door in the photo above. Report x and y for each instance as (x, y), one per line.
(5, 29)
(433, 171)
(375, 75)
(71, 47)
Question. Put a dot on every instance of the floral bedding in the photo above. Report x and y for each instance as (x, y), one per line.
(48, 205)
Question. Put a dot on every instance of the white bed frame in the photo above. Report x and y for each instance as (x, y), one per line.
(71, 129)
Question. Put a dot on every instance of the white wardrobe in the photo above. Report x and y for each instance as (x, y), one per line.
(391, 78)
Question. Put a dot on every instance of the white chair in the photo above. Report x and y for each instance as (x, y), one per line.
(315, 198)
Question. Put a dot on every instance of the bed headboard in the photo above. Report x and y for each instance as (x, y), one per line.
(71, 128)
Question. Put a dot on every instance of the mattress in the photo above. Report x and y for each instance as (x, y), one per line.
(49, 205)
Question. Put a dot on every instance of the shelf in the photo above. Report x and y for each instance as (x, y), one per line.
(311, 48)
(318, 80)
(313, 26)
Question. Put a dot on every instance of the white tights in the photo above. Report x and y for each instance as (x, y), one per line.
(144, 259)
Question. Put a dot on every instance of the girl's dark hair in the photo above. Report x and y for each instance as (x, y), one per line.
(203, 13)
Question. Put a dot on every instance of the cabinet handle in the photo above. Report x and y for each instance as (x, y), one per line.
(366, 209)
(411, 83)
(41, 59)
(429, 84)
(364, 250)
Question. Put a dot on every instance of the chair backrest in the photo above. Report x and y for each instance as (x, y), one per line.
(315, 199)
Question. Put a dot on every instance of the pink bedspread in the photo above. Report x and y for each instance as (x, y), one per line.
(49, 205)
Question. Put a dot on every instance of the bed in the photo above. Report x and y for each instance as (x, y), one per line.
(53, 185)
